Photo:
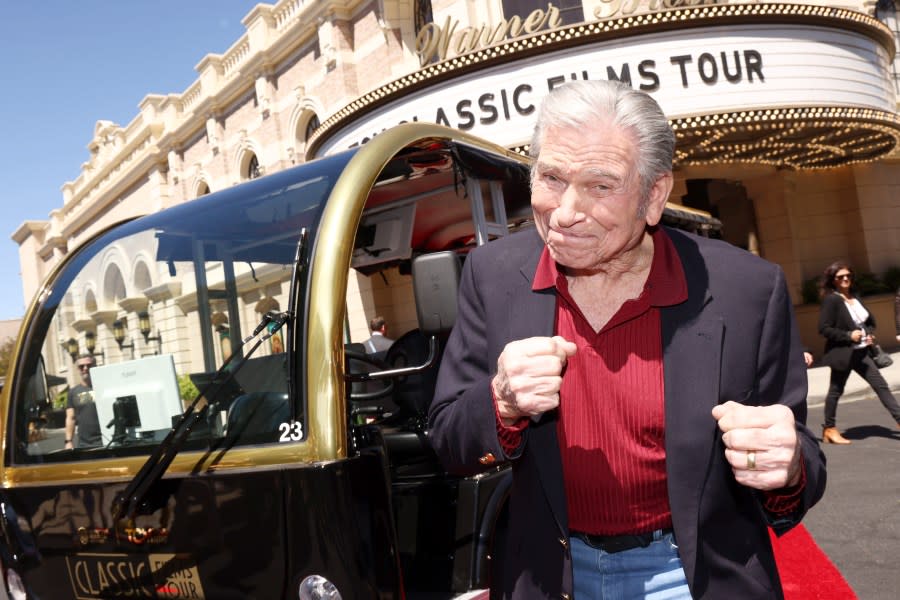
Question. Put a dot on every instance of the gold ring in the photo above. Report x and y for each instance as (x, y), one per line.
(751, 459)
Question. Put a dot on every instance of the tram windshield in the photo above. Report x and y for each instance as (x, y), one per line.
(139, 322)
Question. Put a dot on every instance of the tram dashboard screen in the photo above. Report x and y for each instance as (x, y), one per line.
(136, 399)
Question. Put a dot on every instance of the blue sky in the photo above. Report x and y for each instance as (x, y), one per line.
(66, 65)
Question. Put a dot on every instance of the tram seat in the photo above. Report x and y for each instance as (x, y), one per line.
(256, 417)
(405, 436)
(368, 394)
(413, 393)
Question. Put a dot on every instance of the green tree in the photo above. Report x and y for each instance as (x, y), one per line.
(6, 350)
(187, 388)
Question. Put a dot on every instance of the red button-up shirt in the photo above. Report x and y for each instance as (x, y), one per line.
(612, 416)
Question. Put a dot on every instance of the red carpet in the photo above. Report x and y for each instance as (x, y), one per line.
(806, 572)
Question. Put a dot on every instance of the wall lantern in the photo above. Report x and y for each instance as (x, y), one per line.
(71, 347)
(119, 326)
(144, 324)
(90, 343)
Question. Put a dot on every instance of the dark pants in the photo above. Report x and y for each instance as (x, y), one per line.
(862, 363)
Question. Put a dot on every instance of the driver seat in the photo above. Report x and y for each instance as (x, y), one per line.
(374, 396)
(405, 437)
(413, 393)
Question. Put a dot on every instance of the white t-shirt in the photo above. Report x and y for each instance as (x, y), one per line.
(859, 314)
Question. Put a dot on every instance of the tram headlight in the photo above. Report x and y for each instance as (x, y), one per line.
(316, 587)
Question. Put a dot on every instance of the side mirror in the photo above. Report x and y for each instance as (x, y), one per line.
(435, 286)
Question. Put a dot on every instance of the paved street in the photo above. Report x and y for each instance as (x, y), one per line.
(857, 523)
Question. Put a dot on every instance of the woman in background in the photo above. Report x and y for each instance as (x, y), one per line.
(848, 329)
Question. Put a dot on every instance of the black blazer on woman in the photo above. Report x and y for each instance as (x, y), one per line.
(836, 324)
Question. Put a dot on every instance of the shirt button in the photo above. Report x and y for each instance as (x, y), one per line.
(487, 459)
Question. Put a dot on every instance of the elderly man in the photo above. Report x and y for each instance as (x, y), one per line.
(646, 385)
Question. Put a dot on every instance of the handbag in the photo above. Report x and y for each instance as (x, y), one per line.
(881, 358)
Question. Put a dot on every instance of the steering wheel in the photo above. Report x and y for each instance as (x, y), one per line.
(374, 364)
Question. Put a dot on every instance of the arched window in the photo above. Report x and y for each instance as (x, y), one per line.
(202, 189)
(142, 278)
(253, 168)
(113, 287)
(311, 125)
(90, 303)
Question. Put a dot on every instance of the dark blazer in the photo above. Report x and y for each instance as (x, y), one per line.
(733, 339)
(836, 324)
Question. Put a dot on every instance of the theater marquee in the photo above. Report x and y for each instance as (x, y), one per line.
(719, 75)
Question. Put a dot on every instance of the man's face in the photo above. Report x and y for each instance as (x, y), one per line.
(84, 366)
(586, 196)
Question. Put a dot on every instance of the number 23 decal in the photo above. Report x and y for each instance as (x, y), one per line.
(291, 432)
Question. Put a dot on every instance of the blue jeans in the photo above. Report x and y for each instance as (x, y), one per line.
(654, 572)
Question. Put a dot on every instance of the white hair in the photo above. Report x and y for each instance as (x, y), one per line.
(578, 104)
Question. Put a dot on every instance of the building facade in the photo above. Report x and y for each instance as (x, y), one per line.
(786, 117)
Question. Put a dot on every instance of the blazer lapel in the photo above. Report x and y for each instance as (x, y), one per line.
(535, 315)
(690, 330)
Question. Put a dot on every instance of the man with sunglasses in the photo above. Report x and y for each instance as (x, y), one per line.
(81, 410)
